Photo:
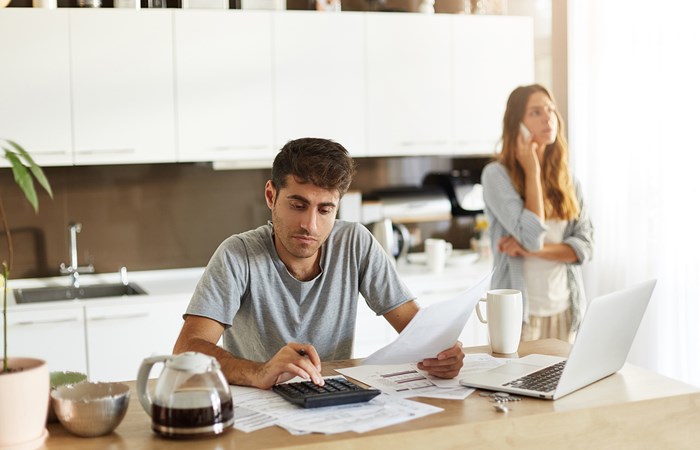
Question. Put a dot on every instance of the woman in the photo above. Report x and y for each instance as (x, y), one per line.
(540, 229)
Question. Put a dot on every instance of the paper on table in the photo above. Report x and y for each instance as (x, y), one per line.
(260, 408)
(403, 381)
(432, 329)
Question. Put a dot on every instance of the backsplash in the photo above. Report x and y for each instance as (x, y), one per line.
(157, 216)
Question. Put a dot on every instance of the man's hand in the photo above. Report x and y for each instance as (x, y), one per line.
(447, 364)
(292, 360)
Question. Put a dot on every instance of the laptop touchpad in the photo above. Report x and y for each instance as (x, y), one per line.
(515, 368)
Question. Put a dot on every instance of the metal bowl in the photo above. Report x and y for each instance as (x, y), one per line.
(61, 379)
(91, 409)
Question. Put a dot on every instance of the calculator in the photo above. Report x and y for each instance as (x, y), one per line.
(336, 391)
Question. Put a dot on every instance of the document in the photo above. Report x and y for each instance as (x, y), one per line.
(432, 330)
(257, 408)
(406, 380)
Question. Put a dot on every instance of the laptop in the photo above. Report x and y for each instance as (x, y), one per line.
(601, 347)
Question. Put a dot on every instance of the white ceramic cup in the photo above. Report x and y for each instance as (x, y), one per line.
(48, 4)
(436, 252)
(504, 317)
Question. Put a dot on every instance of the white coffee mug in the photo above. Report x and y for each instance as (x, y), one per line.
(504, 314)
(436, 252)
(48, 4)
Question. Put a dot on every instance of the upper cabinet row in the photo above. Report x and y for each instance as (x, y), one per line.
(117, 86)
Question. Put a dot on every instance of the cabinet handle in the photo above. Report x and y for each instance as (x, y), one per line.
(422, 143)
(50, 152)
(122, 317)
(228, 148)
(46, 322)
(106, 150)
(443, 291)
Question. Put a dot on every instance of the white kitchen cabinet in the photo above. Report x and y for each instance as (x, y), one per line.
(320, 86)
(35, 106)
(56, 335)
(224, 85)
(122, 85)
(120, 336)
(372, 332)
(409, 83)
(492, 56)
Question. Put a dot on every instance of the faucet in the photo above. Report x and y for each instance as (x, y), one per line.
(74, 270)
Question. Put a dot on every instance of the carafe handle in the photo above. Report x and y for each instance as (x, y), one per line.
(142, 380)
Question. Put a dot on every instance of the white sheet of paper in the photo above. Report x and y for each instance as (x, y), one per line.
(432, 330)
(258, 408)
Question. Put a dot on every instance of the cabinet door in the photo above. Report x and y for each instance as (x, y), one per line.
(224, 85)
(35, 83)
(409, 84)
(120, 336)
(492, 56)
(123, 107)
(54, 335)
(372, 332)
(320, 87)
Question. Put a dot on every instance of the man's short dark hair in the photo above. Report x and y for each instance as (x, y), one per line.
(321, 162)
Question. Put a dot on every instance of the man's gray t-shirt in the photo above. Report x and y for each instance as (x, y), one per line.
(247, 288)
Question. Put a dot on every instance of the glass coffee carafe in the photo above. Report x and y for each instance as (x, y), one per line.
(191, 396)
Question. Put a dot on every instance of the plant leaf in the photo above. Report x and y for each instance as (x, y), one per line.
(36, 170)
(23, 179)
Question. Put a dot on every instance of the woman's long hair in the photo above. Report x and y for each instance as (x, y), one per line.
(559, 195)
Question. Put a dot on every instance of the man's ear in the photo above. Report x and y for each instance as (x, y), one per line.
(270, 193)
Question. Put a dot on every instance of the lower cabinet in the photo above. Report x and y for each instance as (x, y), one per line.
(56, 335)
(107, 341)
(372, 332)
(120, 336)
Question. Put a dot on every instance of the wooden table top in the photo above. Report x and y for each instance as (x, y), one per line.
(633, 405)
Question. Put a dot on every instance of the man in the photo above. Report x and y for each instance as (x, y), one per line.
(285, 295)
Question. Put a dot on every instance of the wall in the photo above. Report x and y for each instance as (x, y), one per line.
(157, 216)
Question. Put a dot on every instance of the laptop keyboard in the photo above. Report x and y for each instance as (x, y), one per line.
(544, 380)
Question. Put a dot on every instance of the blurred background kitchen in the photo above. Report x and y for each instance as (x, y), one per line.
(625, 80)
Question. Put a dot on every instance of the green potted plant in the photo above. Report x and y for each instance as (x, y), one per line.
(24, 382)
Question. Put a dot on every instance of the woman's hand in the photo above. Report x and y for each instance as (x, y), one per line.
(526, 155)
(511, 247)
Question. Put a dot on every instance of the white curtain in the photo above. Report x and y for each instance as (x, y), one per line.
(634, 129)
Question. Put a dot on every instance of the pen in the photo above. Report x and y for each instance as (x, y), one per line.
(302, 352)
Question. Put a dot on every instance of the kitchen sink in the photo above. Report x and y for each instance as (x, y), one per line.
(56, 293)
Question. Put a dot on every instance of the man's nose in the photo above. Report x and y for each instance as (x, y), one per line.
(310, 220)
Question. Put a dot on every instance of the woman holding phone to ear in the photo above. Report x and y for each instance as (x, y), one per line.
(540, 229)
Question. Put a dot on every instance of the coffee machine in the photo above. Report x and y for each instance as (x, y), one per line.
(401, 206)
(465, 194)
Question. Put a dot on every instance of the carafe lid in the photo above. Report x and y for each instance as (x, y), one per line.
(193, 362)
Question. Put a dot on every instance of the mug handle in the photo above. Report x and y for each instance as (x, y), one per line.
(478, 311)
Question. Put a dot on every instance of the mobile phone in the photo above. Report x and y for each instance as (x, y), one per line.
(525, 132)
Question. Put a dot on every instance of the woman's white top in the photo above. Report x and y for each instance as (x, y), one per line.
(546, 280)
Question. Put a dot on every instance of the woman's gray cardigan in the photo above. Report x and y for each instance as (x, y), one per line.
(507, 216)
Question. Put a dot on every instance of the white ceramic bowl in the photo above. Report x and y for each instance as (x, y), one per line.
(91, 409)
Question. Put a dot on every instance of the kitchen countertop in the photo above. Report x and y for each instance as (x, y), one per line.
(158, 284)
(171, 283)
